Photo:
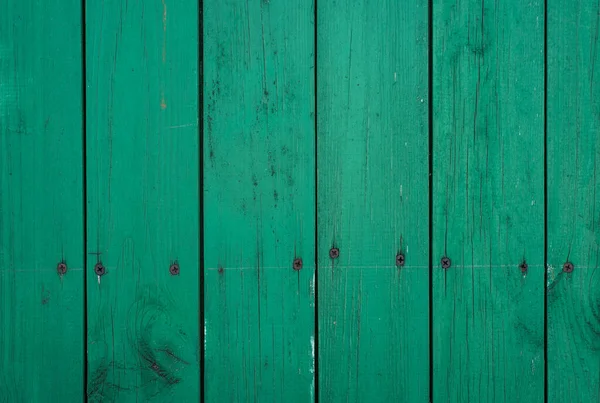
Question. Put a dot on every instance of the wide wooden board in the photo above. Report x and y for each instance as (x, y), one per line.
(41, 202)
(573, 209)
(259, 200)
(373, 144)
(488, 201)
(143, 201)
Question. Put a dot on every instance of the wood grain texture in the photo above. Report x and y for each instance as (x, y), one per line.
(41, 202)
(259, 198)
(372, 75)
(488, 198)
(573, 210)
(143, 200)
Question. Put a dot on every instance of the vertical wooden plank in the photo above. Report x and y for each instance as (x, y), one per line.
(259, 198)
(573, 213)
(488, 198)
(143, 200)
(372, 75)
(41, 202)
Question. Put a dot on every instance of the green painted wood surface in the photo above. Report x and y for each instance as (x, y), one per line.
(143, 200)
(41, 202)
(259, 198)
(488, 201)
(260, 106)
(373, 136)
(573, 210)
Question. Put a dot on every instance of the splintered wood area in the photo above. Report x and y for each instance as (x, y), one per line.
(292, 201)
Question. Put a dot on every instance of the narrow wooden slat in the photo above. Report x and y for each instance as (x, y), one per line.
(372, 75)
(41, 202)
(259, 197)
(143, 200)
(488, 198)
(573, 209)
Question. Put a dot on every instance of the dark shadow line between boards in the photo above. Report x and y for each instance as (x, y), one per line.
(430, 121)
(545, 111)
(201, 282)
(84, 192)
(316, 206)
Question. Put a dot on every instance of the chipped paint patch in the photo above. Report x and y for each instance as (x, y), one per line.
(312, 369)
(550, 270)
(205, 327)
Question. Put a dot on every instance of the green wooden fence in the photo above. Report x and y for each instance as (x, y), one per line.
(281, 201)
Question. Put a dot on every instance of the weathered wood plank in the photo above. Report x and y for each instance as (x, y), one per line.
(143, 200)
(259, 197)
(41, 202)
(488, 198)
(372, 75)
(573, 191)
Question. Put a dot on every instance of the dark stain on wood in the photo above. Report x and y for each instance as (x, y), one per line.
(45, 296)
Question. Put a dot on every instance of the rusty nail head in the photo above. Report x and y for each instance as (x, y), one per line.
(446, 262)
(61, 268)
(99, 269)
(523, 266)
(297, 264)
(568, 267)
(174, 269)
(399, 259)
(334, 253)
